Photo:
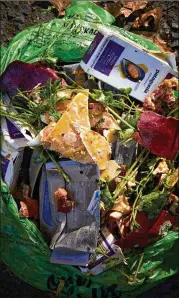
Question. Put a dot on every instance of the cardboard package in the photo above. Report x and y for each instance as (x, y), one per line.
(120, 63)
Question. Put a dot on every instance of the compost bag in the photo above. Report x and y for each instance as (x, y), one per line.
(23, 248)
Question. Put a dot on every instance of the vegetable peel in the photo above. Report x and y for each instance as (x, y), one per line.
(158, 134)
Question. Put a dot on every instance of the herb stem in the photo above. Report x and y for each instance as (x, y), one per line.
(136, 169)
(65, 176)
(20, 120)
(134, 212)
(173, 111)
(124, 178)
(138, 160)
(125, 275)
(17, 108)
(120, 118)
(139, 265)
(64, 74)
(22, 95)
(133, 265)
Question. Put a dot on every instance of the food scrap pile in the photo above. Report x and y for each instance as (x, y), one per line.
(95, 168)
(135, 146)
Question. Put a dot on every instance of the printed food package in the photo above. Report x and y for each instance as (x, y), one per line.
(118, 62)
(73, 256)
(77, 230)
(11, 160)
(108, 254)
(81, 229)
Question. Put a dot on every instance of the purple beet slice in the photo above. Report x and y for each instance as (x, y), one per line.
(25, 76)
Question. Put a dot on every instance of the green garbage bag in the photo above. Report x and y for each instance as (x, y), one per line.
(23, 247)
(25, 251)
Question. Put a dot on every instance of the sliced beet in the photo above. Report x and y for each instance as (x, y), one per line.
(158, 134)
(64, 205)
(25, 76)
(150, 229)
(138, 236)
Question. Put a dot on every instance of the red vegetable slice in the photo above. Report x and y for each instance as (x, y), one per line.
(150, 229)
(29, 208)
(158, 134)
(25, 76)
(162, 224)
(62, 202)
(138, 236)
(64, 205)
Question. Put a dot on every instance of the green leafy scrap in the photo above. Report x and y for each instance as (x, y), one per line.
(126, 134)
(131, 119)
(107, 98)
(153, 202)
(106, 195)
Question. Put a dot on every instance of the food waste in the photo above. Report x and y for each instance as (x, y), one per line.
(139, 201)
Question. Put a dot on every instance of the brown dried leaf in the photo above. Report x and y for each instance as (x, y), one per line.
(114, 8)
(134, 5)
(124, 8)
(126, 12)
(145, 19)
(60, 5)
(156, 39)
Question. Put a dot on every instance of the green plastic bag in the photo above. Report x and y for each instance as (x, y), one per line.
(66, 39)
(23, 247)
(26, 253)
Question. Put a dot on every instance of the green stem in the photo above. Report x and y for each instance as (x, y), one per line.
(64, 74)
(177, 155)
(133, 265)
(132, 103)
(139, 265)
(120, 118)
(173, 111)
(22, 95)
(134, 212)
(139, 161)
(123, 142)
(142, 162)
(122, 184)
(17, 108)
(20, 120)
(65, 176)
(125, 275)
(124, 178)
